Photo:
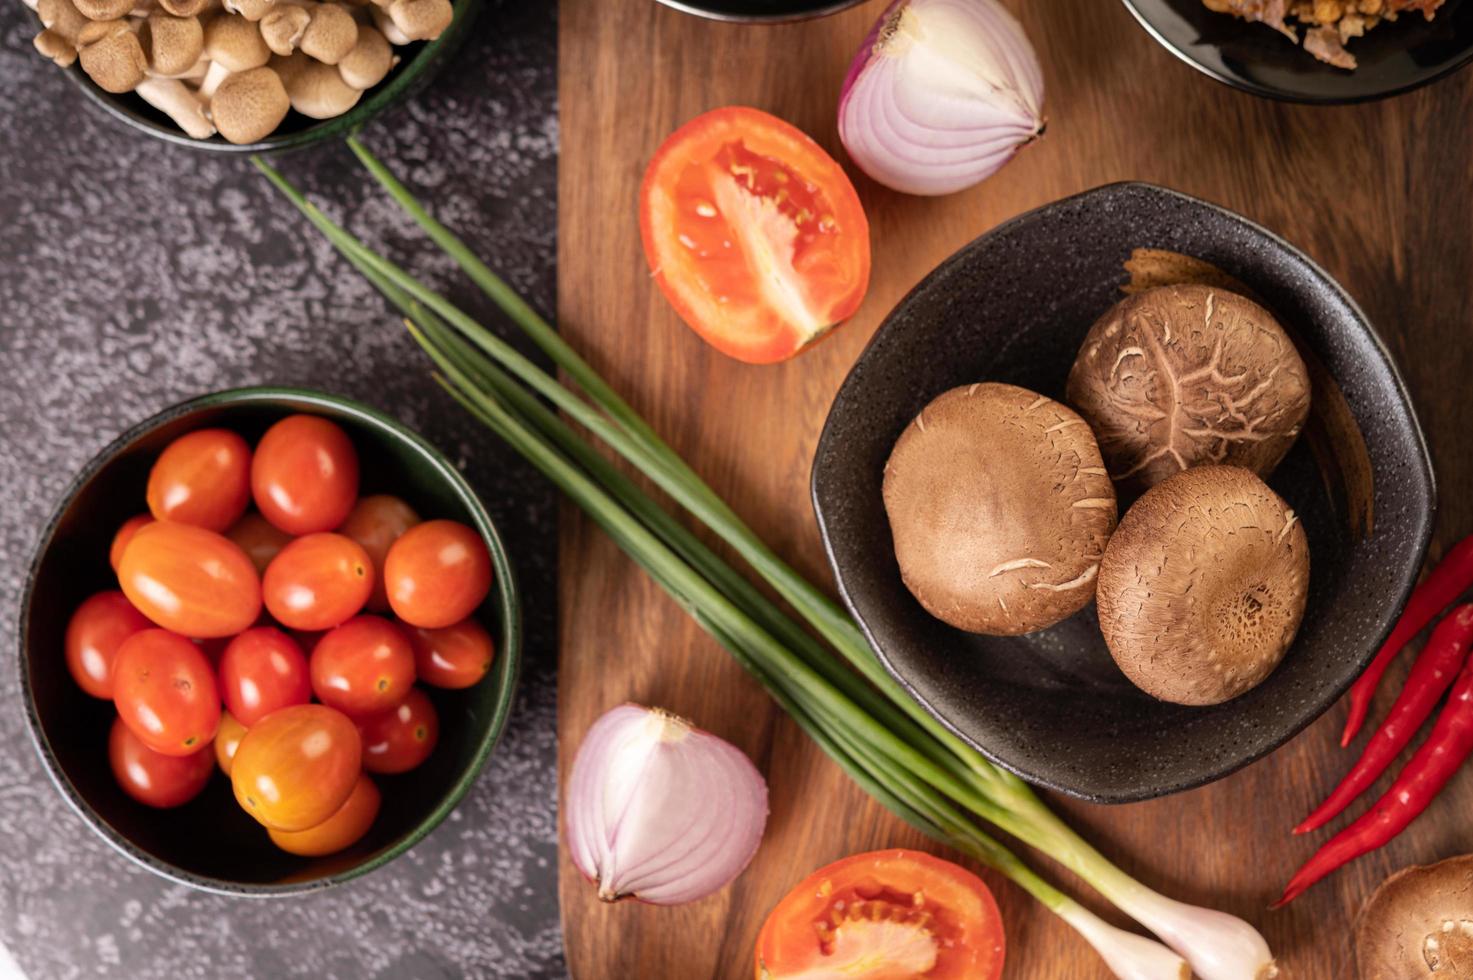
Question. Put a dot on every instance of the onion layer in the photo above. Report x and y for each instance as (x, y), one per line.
(659, 810)
(941, 95)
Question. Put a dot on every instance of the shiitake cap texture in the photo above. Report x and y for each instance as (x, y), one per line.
(1000, 507)
(1203, 586)
(1419, 923)
(1189, 375)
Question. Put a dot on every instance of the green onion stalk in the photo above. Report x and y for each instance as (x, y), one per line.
(848, 704)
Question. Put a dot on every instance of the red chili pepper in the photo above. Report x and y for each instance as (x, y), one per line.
(1450, 579)
(1436, 666)
(1428, 771)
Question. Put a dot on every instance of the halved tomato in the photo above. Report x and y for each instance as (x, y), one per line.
(885, 915)
(754, 234)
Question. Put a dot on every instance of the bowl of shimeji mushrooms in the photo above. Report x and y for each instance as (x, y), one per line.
(248, 75)
(1126, 493)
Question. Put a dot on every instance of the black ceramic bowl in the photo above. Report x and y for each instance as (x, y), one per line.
(1014, 306)
(419, 63)
(1394, 57)
(765, 11)
(210, 842)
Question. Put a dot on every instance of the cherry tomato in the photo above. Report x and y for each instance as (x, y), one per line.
(454, 656)
(202, 478)
(166, 692)
(261, 670)
(259, 539)
(227, 740)
(401, 738)
(364, 666)
(339, 831)
(886, 914)
(295, 767)
(93, 635)
(755, 235)
(124, 535)
(305, 475)
(153, 778)
(377, 522)
(317, 582)
(190, 580)
(437, 573)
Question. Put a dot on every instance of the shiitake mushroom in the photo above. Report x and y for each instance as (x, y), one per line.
(1419, 923)
(1203, 586)
(1000, 507)
(1187, 375)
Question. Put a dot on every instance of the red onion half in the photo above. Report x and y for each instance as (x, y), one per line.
(659, 810)
(941, 95)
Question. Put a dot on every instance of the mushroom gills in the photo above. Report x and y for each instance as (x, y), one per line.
(1419, 924)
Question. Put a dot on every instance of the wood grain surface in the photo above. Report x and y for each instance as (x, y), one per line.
(1381, 195)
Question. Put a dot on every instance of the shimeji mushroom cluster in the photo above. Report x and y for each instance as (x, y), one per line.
(236, 67)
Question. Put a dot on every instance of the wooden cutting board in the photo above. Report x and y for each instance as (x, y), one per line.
(1381, 195)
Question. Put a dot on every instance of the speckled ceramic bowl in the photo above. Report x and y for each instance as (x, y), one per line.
(210, 842)
(1014, 306)
(418, 64)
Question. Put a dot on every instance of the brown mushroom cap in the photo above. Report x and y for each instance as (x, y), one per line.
(283, 26)
(318, 91)
(330, 34)
(1187, 375)
(235, 43)
(112, 56)
(173, 44)
(251, 10)
(184, 8)
(249, 105)
(421, 20)
(103, 9)
(1419, 923)
(369, 61)
(1203, 585)
(1000, 508)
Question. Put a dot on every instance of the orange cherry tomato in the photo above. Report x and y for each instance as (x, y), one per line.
(437, 573)
(401, 738)
(227, 740)
(190, 580)
(152, 778)
(295, 767)
(93, 635)
(885, 914)
(124, 535)
(165, 692)
(339, 831)
(454, 656)
(376, 523)
(202, 478)
(364, 666)
(262, 670)
(304, 476)
(317, 582)
(259, 539)
(754, 234)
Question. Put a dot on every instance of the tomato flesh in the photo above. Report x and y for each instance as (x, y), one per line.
(885, 915)
(754, 234)
(93, 635)
(190, 580)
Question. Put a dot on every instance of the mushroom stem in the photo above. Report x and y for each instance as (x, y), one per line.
(214, 75)
(174, 99)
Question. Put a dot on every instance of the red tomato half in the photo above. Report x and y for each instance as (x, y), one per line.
(885, 914)
(261, 670)
(190, 580)
(153, 778)
(166, 692)
(93, 635)
(304, 476)
(754, 234)
(202, 478)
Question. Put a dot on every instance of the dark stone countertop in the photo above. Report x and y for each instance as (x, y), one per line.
(134, 275)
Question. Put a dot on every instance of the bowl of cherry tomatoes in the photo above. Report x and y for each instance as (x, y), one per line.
(269, 639)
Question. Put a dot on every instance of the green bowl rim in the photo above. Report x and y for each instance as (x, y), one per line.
(509, 652)
(403, 81)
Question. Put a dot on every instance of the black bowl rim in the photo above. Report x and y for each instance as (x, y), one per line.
(1424, 475)
(402, 82)
(1284, 95)
(509, 652)
(816, 9)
